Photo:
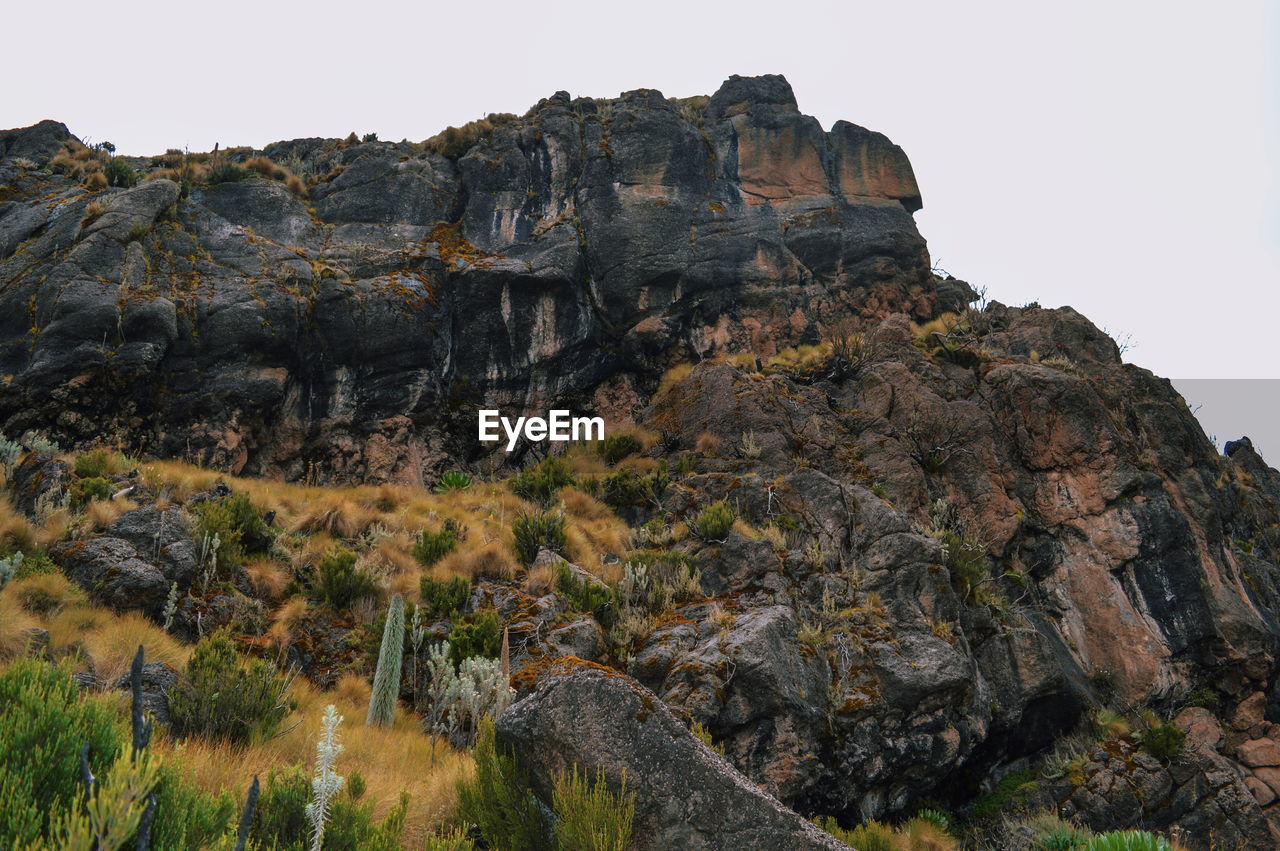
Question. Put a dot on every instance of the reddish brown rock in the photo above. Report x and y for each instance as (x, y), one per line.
(1249, 714)
(1257, 753)
(1262, 793)
(1203, 731)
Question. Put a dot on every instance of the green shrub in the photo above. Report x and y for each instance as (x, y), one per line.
(967, 561)
(1128, 840)
(137, 231)
(583, 594)
(1062, 838)
(218, 698)
(627, 487)
(119, 173)
(937, 818)
(433, 546)
(87, 490)
(1205, 697)
(539, 530)
(339, 583)
(1011, 793)
(713, 522)
(95, 463)
(187, 818)
(43, 725)
(615, 447)
(443, 598)
(238, 526)
(452, 840)
(589, 816)
(496, 799)
(540, 483)
(869, 836)
(1163, 741)
(280, 821)
(453, 481)
(32, 566)
(223, 171)
(481, 635)
(44, 721)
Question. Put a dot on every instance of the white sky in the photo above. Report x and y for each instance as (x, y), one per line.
(1120, 158)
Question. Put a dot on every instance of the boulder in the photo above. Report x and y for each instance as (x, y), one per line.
(38, 483)
(1259, 753)
(162, 536)
(686, 795)
(113, 574)
(157, 679)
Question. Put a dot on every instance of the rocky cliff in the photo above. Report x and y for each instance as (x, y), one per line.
(963, 533)
(569, 255)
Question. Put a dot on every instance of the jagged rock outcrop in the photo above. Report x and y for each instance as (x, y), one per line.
(686, 796)
(567, 256)
(854, 668)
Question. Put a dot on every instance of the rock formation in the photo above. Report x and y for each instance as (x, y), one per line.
(966, 530)
(569, 255)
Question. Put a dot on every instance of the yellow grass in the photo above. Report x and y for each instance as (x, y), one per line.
(111, 646)
(101, 513)
(540, 580)
(267, 577)
(45, 594)
(673, 376)
(280, 633)
(16, 532)
(391, 759)
(387, 519)
(14, 623)
(491, 560)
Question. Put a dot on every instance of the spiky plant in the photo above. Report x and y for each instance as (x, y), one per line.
(453, 481)
(386, 681)
(326, 783)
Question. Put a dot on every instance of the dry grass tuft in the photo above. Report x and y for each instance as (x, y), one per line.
(492, 560)
(46, 594)
(15, 621)
(708, 444)
(280, 633)
(295, 185)
(111, 646)
(101, 513)
(337, 515)
(268, 578)
(540, 580)
(353, 689)
(671, 378)
(16, 532)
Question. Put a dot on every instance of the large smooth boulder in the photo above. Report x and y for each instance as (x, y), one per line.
(687, 796)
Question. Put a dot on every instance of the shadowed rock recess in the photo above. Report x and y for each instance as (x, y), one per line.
(969, 532)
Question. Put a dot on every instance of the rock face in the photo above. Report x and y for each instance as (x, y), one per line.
(686, 795)
(569, 255)
(959, 541)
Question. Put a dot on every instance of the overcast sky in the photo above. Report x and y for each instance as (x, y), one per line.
(1117, 157)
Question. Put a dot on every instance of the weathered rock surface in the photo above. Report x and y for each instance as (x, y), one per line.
(133, 565)
(975, 537)
(571, 254)
(686, 795)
